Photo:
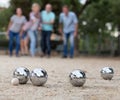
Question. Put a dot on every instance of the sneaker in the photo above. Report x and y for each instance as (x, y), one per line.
(71, 57)
(42, 55)
(48, 56)
(26, 54)
(64, 56)
(17, 55)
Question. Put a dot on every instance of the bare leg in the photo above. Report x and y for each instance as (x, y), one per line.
(26, 41)
(22, 47)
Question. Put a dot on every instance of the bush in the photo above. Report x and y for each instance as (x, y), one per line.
(4, 18)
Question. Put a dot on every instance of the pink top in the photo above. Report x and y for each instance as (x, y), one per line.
(36, 22)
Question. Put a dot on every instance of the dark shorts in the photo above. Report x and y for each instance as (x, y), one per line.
(24, 35)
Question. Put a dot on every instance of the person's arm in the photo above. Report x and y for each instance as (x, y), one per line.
(76, 29)
(32, 17)
(9, 25)
(40, 26)
(40, 22)
(22, 30)
(61, 28)
(52, 21)
(76, 24)
(60, 25)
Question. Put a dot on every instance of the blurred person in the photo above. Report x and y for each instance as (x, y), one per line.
(48, 18)
(14, 28)
(32, 32)
(68, 28)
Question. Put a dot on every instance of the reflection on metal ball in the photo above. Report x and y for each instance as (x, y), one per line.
(22, 74)
(77, 78)
(38, 77)
(107, 73)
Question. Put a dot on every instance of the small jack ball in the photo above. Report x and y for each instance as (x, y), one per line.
(15, 81)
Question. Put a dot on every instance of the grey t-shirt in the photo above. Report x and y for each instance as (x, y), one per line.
(17, 23)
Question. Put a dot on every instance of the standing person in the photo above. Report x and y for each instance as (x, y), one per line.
(14, 28)
(48, 18)
(32, 32)
(68, 27)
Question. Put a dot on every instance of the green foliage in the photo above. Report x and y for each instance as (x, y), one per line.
(2, 37)
(4, 18)
(115, 11)
(98, 14)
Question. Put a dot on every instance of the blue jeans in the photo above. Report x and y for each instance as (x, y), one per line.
(45, 42)
(33, 40)
(13, 35)
(68, 36)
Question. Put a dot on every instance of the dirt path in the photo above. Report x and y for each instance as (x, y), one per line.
(58, 86)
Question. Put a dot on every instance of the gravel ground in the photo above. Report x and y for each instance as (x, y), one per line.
(58, 86)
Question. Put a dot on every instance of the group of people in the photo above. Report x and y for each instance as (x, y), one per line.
(24, 31)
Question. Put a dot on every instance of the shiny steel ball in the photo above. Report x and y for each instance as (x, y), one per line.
(38, 77)
(77, 78)
(107, 73)
(22, 74)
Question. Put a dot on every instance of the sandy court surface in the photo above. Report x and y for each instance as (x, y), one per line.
(58, 86)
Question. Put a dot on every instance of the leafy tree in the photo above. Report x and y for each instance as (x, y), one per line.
(4, 17)
(100, 15)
